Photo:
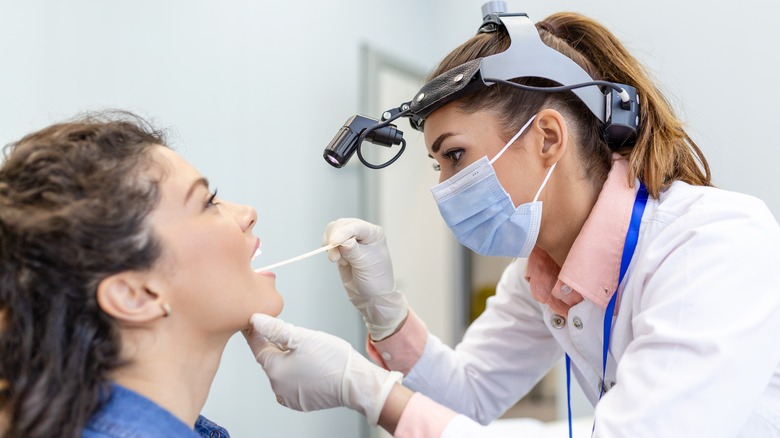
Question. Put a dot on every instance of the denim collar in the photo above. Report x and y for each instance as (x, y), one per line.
(127, 414)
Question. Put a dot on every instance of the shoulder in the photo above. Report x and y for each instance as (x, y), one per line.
(708, 241)
(127, 414)
(685, 212)
(207, 428)
(682, 200)
(704, 238)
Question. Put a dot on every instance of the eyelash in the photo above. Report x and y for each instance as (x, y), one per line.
(450, 155)
(210, 202)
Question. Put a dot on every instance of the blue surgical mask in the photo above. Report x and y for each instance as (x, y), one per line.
(481, 213)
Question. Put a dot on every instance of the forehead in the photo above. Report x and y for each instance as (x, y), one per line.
(173, 165)
(440, 121)
(452, 119)
(175, 178)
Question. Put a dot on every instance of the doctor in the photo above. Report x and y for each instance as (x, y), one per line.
(662, 292)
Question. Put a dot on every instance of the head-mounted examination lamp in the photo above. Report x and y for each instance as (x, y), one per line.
(617, 107)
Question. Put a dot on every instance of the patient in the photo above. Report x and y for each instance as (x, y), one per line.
(122, 277)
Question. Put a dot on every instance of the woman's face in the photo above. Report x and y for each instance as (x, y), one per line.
(207, 247)
(456, 138)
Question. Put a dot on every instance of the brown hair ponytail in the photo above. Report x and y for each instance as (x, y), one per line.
(663, 152)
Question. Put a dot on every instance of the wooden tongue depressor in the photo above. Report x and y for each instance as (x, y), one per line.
(300, 257)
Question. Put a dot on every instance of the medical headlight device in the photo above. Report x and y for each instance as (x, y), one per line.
(617, 106)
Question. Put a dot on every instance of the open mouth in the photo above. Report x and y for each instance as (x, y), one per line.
(257, 250)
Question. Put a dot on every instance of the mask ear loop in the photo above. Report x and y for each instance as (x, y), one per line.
(512, 140)
(544, 183)
(519, 133)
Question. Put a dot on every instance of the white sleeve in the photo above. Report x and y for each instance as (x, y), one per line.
(705, 325)
(464, 427)
(504, 353)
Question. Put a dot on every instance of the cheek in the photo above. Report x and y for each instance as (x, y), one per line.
(198, 261)
(211, 248)
(445, 175)
(516, 184)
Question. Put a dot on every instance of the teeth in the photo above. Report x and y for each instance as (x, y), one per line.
(257, 253)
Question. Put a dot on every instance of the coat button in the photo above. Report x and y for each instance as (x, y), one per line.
(577, 322)
(558, 321)
(565, 289)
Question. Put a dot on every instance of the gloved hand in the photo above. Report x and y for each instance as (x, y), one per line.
(367, 273)
(311, 370)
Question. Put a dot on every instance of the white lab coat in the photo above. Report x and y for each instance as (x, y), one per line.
(695, 348)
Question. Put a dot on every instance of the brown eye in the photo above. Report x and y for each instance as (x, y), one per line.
(453, 155)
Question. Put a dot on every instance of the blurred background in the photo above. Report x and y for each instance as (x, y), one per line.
(252, 91)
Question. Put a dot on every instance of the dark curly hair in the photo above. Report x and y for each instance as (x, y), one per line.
(74, 198)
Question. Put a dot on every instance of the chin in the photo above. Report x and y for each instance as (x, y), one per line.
(278, 308)
(271, 306)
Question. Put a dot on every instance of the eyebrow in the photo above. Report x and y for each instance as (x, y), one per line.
(198, 182)
(437, 143)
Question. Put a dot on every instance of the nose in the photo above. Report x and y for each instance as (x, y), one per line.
(245, 216)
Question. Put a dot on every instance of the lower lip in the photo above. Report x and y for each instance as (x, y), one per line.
(267, 274)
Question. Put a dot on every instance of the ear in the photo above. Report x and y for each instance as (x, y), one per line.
(551, 129)
(127, 297)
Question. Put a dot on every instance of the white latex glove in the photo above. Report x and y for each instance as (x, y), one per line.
(311, 370)
(367, 273)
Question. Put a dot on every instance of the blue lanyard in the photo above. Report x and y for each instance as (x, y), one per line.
(632, 237)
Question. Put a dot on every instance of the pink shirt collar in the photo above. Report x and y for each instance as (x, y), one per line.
(592, 267)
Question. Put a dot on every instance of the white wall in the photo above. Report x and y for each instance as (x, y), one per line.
(255, 89)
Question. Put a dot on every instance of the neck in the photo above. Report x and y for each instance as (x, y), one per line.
(174, 373)
(570, 203)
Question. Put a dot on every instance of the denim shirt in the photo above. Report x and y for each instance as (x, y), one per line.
(127, 414)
